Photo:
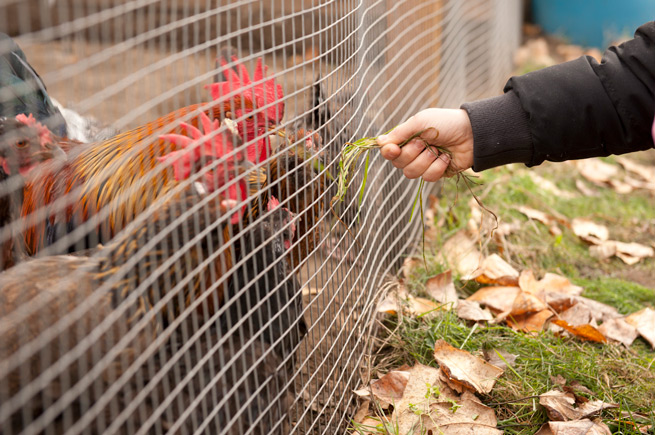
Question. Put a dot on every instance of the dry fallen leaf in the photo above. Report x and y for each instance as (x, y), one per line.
(585, 332)
(471, 310)
(442, 289)
(549, 186)
(499, 358)
(644, 321)
(362, 411)
(390, 387)
(540, 216)
(582, 187)
(526, 303)
(469, 416)
(577, 427)
(401, 300)
(370, 425)
(495, 270)
(560, 406)
(530, 322)
(420, 376)
(409, 266)
(586, 228)
(645, 172)
(462, 254)
(597, 171)
(561, 302)
(464, 368)
(619, 330)
(498, 299)
(578, 314)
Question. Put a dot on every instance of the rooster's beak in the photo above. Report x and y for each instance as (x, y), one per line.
(50, 151)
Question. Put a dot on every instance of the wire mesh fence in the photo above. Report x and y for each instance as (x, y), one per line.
(172, 262)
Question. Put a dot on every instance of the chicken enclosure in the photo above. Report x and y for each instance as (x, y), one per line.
(172, 260)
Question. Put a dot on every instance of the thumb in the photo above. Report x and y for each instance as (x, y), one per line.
(401, 133)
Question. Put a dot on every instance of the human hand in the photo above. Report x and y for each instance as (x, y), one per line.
(449, 129)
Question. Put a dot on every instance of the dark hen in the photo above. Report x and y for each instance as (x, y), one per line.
(81, 308)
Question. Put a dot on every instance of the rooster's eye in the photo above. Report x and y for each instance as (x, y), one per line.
(21, 144)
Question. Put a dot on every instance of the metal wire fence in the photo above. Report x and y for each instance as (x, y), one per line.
(172, 262)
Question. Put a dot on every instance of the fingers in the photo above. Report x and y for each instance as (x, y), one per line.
(419, 165)
(390, 151)
(409, 152)
(437, 169)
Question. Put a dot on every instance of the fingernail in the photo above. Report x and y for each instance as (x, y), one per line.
(383, 138)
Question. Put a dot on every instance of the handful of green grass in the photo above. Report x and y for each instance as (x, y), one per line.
(351, 154)
(353, 151)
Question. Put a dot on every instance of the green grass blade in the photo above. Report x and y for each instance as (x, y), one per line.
(361, 190)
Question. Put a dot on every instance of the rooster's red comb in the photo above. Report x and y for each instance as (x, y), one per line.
(44, 133)
(238, 82)
(272, 203)
(268, 92)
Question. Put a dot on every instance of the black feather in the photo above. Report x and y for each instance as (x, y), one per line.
(23, 91)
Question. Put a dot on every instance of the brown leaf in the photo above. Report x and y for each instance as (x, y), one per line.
(550, 282)
(644, 321)
(495, 270)
(645, 172)
(370, 424)
(549, 186)
(586, 190)
(499, 358)
(401, 300)
(410, 265)
(442, 289)
(530, 322)
(559, 405)
(526, 303)
(578, 427)
(578, 314)
(469, 416)
(462, 254)
(585, 332)
(619, 330)
(390, 387)
(471, 310)
(586, 229)
(597, 171)
(540, 216)
(498, 299)
(469, 370)
(560, 302)
(636, 250)
(420, 377)
(362, 411)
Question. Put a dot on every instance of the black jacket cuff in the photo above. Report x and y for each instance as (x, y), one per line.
(501, 132)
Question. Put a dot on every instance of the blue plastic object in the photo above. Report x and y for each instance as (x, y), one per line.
(595, 23)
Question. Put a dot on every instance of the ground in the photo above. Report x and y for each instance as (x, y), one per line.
(612, 373)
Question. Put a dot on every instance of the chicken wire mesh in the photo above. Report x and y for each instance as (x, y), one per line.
(189, 273)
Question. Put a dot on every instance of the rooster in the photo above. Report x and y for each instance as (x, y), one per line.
(122, 176)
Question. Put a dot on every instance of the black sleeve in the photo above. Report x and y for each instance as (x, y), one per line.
(574, 110)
